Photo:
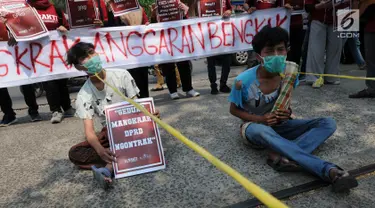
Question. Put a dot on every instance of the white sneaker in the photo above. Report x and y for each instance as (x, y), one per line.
(56, 117)
(192, 93)
(337, 82)
(175, 96)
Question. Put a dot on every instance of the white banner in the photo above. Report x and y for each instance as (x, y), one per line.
(135, 46)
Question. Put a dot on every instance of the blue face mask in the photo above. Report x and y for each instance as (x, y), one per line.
(274, 64)
(93, 65)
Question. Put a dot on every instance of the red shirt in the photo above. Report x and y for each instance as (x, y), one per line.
(48, 14)
(323, 15)
(227, 5)
(264, 4)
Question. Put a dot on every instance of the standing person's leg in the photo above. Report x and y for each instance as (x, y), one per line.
(30, 100)
(6, 107)
(316, 51)
(159, 79)
(53, 99)
(225, 70)
(334, 49)
(354, 46)
(297, 36)
(65, 102)
(369, 45)
(305, 47)
(178, 78)
(169, 72)
(211, 68)
(185, 68)
(140, 76)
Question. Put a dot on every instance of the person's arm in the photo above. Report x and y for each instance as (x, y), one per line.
(65, 24)
(93, 140)
(228, 9)
(145, 20)
(243, 115)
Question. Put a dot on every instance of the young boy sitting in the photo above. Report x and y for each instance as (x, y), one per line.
(92, 99)
(252, 99)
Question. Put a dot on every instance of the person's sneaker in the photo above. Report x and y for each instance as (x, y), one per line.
(332, 83)
(192, 93)
(302, 78)
(56, 117)
(362, 67)
(70, 112)
(363, 94)
(318, 84)
(174, 96)
(8, 120)
(35, 117)
(225, 89)
(214, 91)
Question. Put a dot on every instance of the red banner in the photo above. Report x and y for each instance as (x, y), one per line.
(209, 8)
(120, 7)
(168, 10)
(135, 139)
(23, 21)
(82, 13)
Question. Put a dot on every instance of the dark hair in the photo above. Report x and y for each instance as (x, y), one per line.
(79, 51)
(269, 37)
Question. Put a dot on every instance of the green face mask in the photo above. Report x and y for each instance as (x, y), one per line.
(274, 64)
(93, 65)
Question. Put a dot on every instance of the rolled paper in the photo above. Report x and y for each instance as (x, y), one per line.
(287, 86)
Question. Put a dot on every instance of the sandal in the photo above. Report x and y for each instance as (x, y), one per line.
(280, 166)
(343, 181)
(158, 89)
(99, 174)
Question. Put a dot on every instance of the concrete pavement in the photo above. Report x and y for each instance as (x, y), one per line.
(36, 171)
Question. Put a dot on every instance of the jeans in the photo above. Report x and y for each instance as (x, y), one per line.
(225, 69)
(57, 94)
(6, 103)
(140, 76)
(169, 71)
(296, 140)
(354, 46)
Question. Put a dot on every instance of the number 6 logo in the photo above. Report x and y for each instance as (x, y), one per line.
(348, 20)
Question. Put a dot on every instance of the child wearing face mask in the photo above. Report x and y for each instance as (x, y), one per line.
(252, 99)
(94, 96)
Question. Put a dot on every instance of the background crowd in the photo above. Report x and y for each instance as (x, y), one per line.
(315, 29)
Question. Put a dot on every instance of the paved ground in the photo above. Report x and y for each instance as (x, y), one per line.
(37, 173)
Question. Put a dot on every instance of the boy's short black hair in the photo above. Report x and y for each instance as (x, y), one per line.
(79, 51)
(268, 37)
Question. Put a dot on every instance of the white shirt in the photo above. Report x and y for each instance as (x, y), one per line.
(90, 101)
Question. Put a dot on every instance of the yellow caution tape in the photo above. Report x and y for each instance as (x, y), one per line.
(340, 76)
(258, 192)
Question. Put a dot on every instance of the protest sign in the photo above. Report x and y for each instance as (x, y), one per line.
(135, 46)
(82, 13)
(23, 21)
(168, 10)
(134, 138)
(209, 8)
(120, 7)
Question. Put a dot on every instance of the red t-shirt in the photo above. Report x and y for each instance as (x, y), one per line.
(264, 4)
(49, 16)
(226, 5)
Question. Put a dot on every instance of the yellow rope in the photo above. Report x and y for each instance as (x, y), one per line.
(258, 192)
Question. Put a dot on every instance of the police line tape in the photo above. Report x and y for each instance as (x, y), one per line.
(339, 76)
(263, 196)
